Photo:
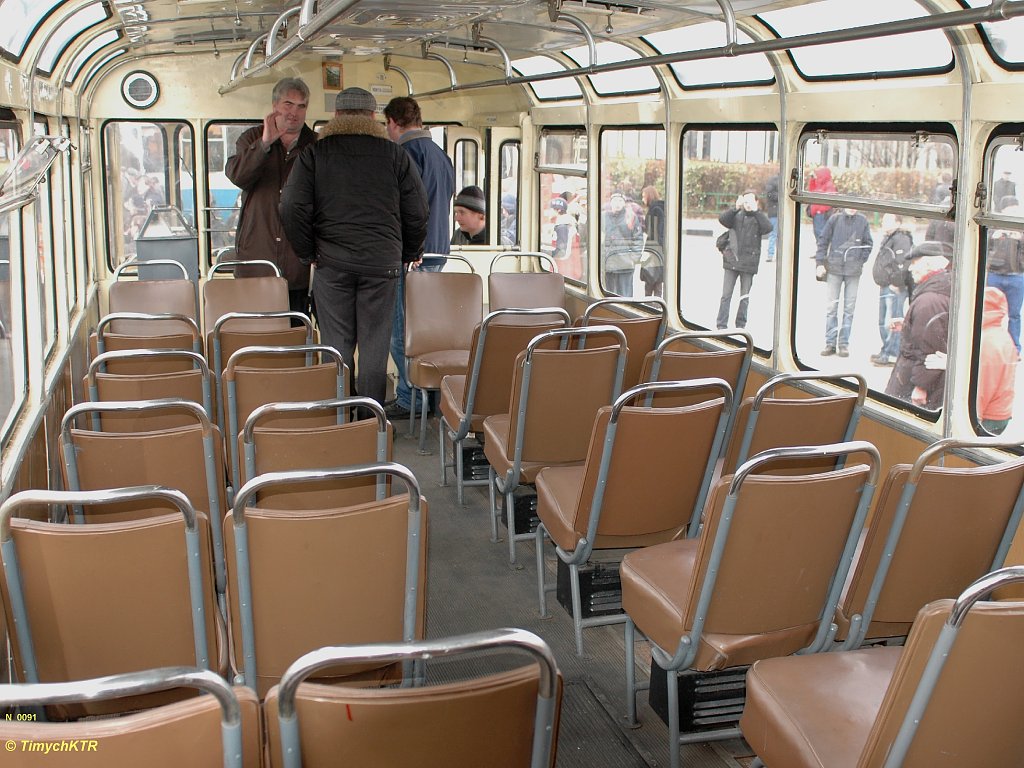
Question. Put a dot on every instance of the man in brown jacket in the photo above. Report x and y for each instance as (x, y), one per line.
(263, 158)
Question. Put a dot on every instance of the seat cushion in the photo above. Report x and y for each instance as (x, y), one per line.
(656, 589)
(453, 398)
(816, 710)
(427, 370)
(558, 490)
(495, 429)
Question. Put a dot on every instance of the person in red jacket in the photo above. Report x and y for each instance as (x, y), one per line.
(997, 366)
(820, 181)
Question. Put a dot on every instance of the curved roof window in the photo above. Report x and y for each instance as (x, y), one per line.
(910, 53)
(102, 39)
(73, 26)
(19, 19)
(638, 80)
(548, 90)
(1004, 40)
(748, 69)
(98, 66)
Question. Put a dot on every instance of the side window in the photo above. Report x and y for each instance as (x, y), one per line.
(562, 176)
(509, 168)
(12, 313)
(999, 310)
(862, 293)
(224, 199)
(47, 272)
(145, 165)
(467, 173)
(632, 212)
(729, 226)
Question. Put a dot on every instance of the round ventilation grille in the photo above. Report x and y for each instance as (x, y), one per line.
(140, 89)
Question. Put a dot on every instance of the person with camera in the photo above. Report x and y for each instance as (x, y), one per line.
(742, 255)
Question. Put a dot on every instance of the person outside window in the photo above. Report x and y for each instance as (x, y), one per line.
(471, 216)
(1005, 267)
(820, 181)
(890, 275)
(843, 247)
(997, 366)
(771, 210)
(741, 258)
(623, 231)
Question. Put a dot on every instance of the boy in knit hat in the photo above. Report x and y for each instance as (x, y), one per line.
(470, 214)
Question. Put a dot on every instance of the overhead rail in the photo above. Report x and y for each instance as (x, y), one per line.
(389, 67)
(967, 17)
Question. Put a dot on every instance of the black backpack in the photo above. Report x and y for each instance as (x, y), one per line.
(722, 243)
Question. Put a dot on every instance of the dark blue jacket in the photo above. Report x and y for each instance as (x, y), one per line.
(845, 244)
(438, 177)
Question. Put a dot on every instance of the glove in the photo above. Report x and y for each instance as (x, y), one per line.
(936, 361)
(819, 272)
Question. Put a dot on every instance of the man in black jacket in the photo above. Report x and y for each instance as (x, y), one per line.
(355, 207)
(741, 257)
(843, 247)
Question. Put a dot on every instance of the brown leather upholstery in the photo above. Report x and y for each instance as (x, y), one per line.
(525, 290)
(174, 735)
(113, 342)
(280, 449)
(947, 541)
(176, 297)
(111, 597)
(441, 311)
(484, 721)
(323, 577)
(230, 341)
(245, 294)
(724, 364)
(782, 552)
(642, 334)
(844, 709)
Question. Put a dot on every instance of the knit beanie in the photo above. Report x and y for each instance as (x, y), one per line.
(471, 197)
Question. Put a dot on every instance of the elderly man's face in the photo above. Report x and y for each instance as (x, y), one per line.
(291, 112)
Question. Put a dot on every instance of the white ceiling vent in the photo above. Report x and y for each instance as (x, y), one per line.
(140, 89)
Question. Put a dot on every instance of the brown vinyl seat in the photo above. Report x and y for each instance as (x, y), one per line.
(644, 331)
(194, 384)
(645, 480)
(92, 600)
(217, 731)
(555, 396)
(188, 457)
(282, 449)
(172, 295)
(819, 417)
(441, 311)
(762, 578)
(684, 356)
(929, 538)
(267, 293)
(129, 331)
(951, 697)
(501, 720)
(247, 384)
(302, 579)
(466, 400)
(524, 290)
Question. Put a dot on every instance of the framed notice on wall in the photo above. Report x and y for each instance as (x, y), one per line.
(332, 75)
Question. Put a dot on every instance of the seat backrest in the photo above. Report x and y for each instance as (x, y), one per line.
(244, 294)
(767, 421)
(496, 343)
(508, 719)
(525, 290)
(171, 296)
(363, 567)
(273, 449)
(217, 731)
(441, 310)
(93, 600)
(124, 331)
(648, 469)
(643, 333)
(956, 694)
(556, 394)
(930, 514)
(679, 358)
(772, 556)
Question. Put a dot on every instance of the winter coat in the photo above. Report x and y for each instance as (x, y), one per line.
(355, 202)
(942, 230)
(771, 196)
(997, 366)
(820, 182)
(845, 244)
(925, 330)
(261, 176)
(890, 266)
(746, 228)
(1005, 256)
(438, 176)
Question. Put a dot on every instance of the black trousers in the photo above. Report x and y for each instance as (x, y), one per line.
(356, 312)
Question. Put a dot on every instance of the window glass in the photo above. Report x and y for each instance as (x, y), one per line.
(467, 173)
(68, 31)
(632, 212)
(562, 175)
(19, 20)
(64, 205)
(927, 50)
(727, 70)
(997, 395)
(862, 297)
(509, 168)
(224, 198)
(146, 164)
(547, 90)
(729, 290)
(637, 80)
(43, 211)
(1005, 38)
(96, 67)
(105, 38)
(12, 321)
